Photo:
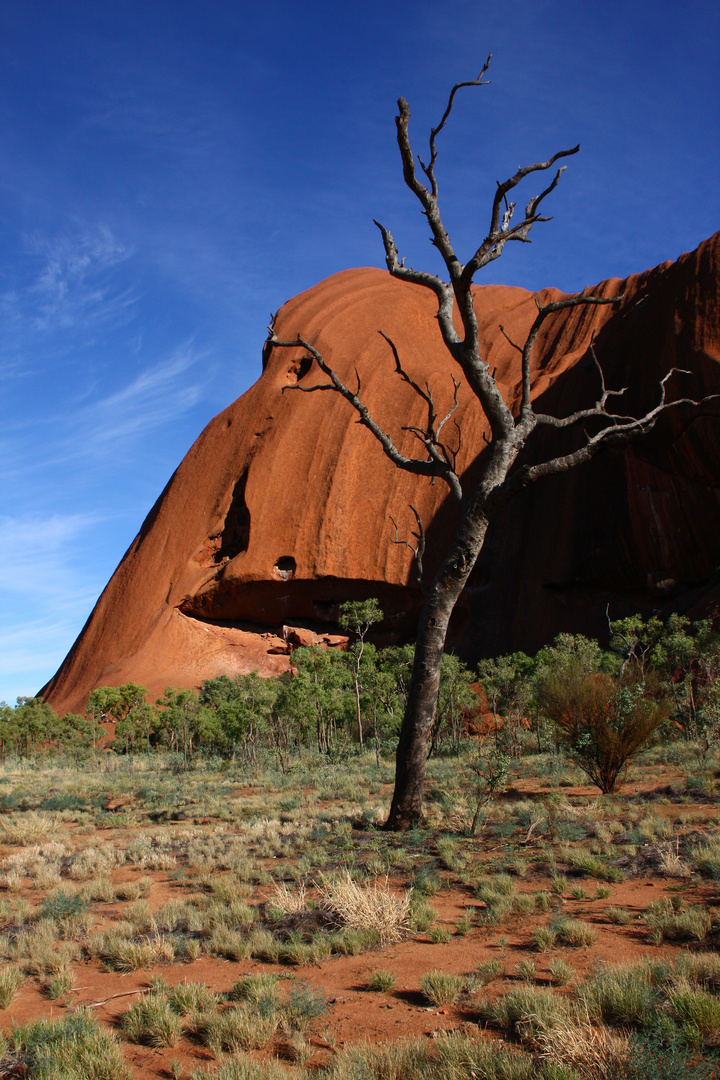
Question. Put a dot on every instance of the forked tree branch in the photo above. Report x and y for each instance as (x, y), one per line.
(621, 430)
(430, 170)
(430, 434)
(465, 349)
(544, 311)
(440, 462)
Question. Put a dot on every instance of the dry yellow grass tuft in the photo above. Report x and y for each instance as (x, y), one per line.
(23, 829)
(289, 902)
(365, 907)
(594, 1051)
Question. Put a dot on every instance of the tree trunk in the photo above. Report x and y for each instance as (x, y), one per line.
(359, 714)
(417, 725)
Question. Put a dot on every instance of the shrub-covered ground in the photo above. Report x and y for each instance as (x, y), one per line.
(230, 921)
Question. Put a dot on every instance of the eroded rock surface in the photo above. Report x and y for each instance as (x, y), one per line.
(282, 507)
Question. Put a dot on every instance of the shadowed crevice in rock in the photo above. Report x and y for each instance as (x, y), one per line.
(309, 602)
(235, 536)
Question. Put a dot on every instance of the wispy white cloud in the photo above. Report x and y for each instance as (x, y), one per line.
(157, 396)
(30, 652)
(71, 282)
(69, 288)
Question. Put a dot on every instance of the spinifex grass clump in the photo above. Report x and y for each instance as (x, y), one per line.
(152, 1021)
(622, 996)
(382, 981)
(706, 858)
(76, 1047)
(575, 933)
(441, 987)
(698, 1013)
(588, 1050)
(525, 1010)
(11, 979)
(23, 829)
(375, 907)
(667, 923)
(496, 893)
(586, 863)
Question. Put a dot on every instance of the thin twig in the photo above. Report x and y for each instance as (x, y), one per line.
(126, 993)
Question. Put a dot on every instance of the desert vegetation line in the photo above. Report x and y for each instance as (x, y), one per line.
(601, 707)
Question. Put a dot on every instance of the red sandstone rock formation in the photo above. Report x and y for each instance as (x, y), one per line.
(281, 509)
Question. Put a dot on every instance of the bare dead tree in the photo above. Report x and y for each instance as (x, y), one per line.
(601, 425)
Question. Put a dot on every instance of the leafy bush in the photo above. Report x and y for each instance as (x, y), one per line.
(603, 723)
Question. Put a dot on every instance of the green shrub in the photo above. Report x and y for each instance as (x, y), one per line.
(603, 723)
(304, 1005)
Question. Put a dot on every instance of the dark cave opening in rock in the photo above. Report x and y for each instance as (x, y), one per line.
(235, 535)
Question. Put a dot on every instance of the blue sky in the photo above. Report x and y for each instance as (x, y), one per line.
(173, 170)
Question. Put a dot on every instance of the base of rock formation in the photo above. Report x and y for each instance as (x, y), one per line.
(282, 508)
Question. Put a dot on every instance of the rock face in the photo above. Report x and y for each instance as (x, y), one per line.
(282, 508)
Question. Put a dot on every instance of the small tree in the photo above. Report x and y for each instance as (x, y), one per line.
(455, 699)
(236, 712)
(357, 617)
(687, 657)
(603, 723)
(507, 683)
(36, 722)
(178, 720)
(491, 777)
(510, 424)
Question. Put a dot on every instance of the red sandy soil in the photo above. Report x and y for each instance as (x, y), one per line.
(355, 1013)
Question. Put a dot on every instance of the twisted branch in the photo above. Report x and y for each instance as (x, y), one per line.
(441, 460)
